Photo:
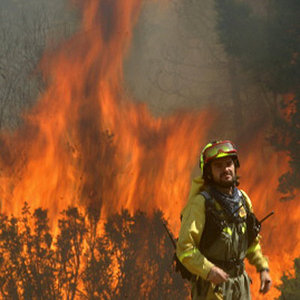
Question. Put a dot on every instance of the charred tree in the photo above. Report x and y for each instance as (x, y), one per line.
(290, 287)
(130, 259)
(266, 48)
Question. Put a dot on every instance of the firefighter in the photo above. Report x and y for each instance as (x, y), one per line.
(218, 230)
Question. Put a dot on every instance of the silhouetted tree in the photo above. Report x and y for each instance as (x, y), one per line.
(267, 49)
(70, 250)
(97, 275)
(126, 257)
(144, 255)
(290, 287)
(27, 260)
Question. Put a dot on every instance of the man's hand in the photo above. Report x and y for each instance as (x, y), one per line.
(217, 275)
(265, 281)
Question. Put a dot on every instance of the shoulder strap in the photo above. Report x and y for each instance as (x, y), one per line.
(207, 197)
(243, 199)
(246, 200)
(213, 226)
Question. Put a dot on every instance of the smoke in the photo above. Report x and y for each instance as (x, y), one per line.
(26, 30)
(175, 60)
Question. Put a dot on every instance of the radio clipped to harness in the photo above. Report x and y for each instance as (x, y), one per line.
(254, 226)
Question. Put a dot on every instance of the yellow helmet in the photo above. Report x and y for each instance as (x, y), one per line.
(217, 149)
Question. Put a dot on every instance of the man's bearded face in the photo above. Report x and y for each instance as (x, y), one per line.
(223, 171)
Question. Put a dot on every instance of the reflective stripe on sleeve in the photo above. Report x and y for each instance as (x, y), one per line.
(187, 254)
(253, 248)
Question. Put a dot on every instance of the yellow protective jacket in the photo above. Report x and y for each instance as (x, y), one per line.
(193, 220)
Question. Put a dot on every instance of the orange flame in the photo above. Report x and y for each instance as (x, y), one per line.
(85, 143)
(260, 171)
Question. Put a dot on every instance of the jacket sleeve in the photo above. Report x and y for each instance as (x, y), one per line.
(254, 252)
(193, 220)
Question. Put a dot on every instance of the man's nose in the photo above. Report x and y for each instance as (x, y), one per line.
(226, 168)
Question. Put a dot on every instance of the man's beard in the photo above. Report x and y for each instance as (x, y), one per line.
(227, 184)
